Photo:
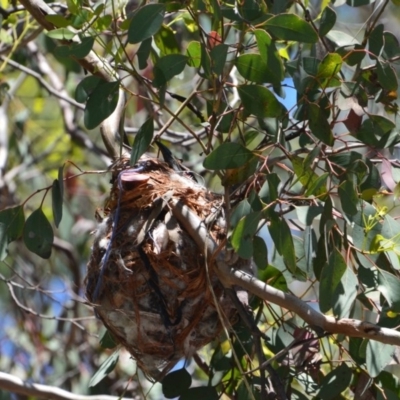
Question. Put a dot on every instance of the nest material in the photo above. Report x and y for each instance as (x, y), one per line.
(148, 281)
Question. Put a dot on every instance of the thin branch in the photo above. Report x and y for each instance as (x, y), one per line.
(232, 277)
(16, 385)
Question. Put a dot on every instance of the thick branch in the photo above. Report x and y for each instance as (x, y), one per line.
(17, 385)
(233, 277)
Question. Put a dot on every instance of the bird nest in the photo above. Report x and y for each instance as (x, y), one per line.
(148, 281)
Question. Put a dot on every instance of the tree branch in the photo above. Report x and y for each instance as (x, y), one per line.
(233, 277)
(17, 385)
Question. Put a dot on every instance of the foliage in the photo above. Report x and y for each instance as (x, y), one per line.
(313, 182)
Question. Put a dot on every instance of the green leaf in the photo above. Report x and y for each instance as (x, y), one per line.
(376, 41)
(330, 278)
(101, 103)
(242, 235)
(165, 40)
(61, 34)
(218, 56)
(253, 68)
(11, 226)
(348, 197)
(200, 393)
(269, 54)
(291, 27)
(345, 294)
(335, 382)
(193, 53)
(386, 75)
(282, 237)
(327, 21)
(142, 141)
(175, 383)
(329, 66)
(107, 340)
(313, 183)
(319, 124)
(81, 50)
(86, 87)
(57, 201)
(167, 67)
(269, 190)
(259, 101)
(38, 234)
(228, 155)
(146, 21)
(143, 53)
(389, 286)
(378, 356)
(260, 252)
(58, 20)
(105, 368)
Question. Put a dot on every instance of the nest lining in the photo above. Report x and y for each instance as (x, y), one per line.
(148, 281)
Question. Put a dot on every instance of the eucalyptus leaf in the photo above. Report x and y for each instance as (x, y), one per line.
(228, 155)
(11, 227)
(38, 234)
(291, 27)
(142, 141)
(146, 21)
(105, 368)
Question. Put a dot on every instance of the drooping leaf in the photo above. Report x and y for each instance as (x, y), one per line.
(142, 141)
(57, 201)
(146, 21)
(228, 155)
(259, 101)
(176, 383)
(38, 234)
(331, 276)
(105, 368)
(378, 356)
(328, 68)
(253, 68)
(270, 55)
(165, 40)
(319, 124)
(260, 252)
(335, 382)
(243, 233)
(86, 87)
(327, 21)
(193, 53)
(314, 184)
(107, 340)
(389, 286)
(291, 27)
(82, 49)
(167, 67)
(143, 53)
(386, 75)
(269, 190)
(218, 56)
(11, 226)
(101, 103)
(282, 237)
(348, 197)
(345, 294)
(376, 40)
